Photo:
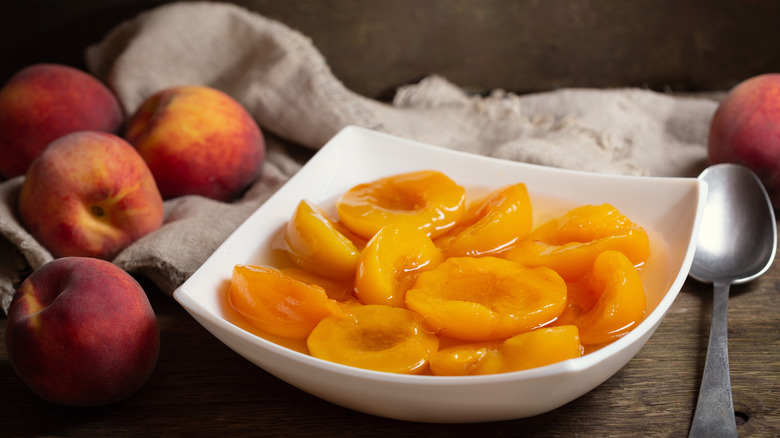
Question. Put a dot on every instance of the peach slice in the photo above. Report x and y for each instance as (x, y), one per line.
(582, 224)
(475, 358)
(391, 262)
(493, 225)
(339, 290)
(427, 199)
(486, 298)
(570, 244)
(278, 303)
(543, 346)
(609, 302)
(315, 244)
(374, 337)
(574, 259)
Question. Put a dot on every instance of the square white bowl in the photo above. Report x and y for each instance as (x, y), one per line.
(669, 208)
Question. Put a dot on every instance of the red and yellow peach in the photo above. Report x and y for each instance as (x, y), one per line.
(197, 141)
(43, 102)
(81, 332)
(89, 194)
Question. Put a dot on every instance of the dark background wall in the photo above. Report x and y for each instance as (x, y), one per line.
(520, 45)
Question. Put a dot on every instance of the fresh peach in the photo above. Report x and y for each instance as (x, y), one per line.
(43, 102)
(746, 130)
(81, 332)
(197, 141)
(89, 194)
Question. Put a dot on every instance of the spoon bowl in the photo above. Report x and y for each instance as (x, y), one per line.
(736, 243)
(738, 238)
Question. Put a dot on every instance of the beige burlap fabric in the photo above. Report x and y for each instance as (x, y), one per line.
(285, 83)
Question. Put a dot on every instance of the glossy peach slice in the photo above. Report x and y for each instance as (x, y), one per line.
(570, 244)
(339, 290)
(427, 200)
(572, 260)
(486, 298)
(315, 244)
(609, 302)
(374, 337)
(471, 359)
(277, 303)
(543, 346)
(582, 224)
(391, 262)
(495, 224)
(539, 347)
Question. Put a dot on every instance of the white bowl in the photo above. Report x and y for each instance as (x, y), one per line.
(669, 208)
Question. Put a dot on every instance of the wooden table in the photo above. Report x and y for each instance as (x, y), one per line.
(202, 388)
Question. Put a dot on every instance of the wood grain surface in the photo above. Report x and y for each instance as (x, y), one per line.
(202, 388)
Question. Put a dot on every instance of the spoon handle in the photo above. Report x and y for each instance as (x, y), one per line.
(714, 415)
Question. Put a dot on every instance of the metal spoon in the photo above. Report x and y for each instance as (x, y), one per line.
(737, 243)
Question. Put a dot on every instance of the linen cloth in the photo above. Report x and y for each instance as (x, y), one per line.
(285, 83)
